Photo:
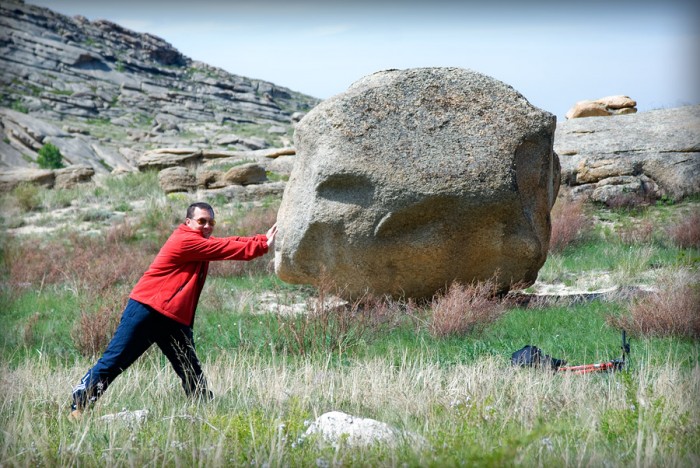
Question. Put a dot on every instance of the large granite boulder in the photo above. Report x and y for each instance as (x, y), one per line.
(412, 179)
(649, 154)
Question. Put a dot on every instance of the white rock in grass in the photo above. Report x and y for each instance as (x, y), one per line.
(137, 416)
(336, 426)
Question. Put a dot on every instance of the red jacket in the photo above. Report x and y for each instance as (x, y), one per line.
(174, 281)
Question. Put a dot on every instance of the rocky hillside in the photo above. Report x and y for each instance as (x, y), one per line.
(104, 94)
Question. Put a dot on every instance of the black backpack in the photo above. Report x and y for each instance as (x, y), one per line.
(532, 356)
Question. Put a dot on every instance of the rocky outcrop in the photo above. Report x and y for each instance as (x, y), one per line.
(11, 178)
(650, 154)
(65, 178)
(70, 176)
(611, 105)
(100, 91)
(413, 179)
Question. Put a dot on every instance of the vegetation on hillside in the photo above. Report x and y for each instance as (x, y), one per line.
(439, 369)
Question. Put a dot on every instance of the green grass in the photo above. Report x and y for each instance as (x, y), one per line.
(459, 395)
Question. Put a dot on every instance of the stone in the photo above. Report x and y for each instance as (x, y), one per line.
(587, 109)
(617, 102)
(70, 176)
(209, 179)
(335, 427)
(162, 158)
(177, 179)
(245, 174)
(610, 105)
(11, 178)
(282, 165)
(413, 179)
(661, 145)
(136, 416)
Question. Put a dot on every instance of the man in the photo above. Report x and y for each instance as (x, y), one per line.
(162, 305)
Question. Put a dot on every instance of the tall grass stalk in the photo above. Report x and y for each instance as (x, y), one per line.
(481, 413)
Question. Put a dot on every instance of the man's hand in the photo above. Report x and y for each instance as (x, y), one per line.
(271, 233)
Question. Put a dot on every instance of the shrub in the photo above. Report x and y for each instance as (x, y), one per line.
(670, 311)
(463, 309)
(82, 263)
(27, 196)
(630, 201)
(332, 325)
(50, 157)
(636, 233)
(686, 233)
(93, 330)
(569, 222)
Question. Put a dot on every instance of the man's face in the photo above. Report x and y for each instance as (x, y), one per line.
(202, 221)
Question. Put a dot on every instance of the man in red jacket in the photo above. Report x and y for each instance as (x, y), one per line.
(162, 305)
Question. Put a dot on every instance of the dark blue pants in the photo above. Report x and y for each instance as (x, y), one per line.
(139, 328)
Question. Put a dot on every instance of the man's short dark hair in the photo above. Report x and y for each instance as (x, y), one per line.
(201, 206)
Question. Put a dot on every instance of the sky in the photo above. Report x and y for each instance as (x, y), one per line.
(554, 52)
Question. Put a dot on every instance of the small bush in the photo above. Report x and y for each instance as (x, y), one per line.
(27, 196)
(569, 224)
(630, 201)
(670, 311)
(331, 324)
(686, 233)
(463, 309)
(50, 157)
(93, 330)
(636, 233)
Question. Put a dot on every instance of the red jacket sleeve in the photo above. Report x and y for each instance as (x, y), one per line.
(195, 248)
(174, 281)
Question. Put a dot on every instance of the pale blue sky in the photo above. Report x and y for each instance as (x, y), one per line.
(554, 52)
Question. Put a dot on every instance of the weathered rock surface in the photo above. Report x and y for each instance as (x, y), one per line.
(245, 174)
(177, 179)
(116, 92)
(71, 176)
(610, 105)
(412, 179)
(11, 178)
(651, 154)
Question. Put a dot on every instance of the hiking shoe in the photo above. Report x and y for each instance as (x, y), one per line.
(76, 415)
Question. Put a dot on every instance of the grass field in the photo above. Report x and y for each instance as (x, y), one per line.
(452, 388)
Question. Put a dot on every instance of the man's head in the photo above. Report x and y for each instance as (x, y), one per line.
(200, 217)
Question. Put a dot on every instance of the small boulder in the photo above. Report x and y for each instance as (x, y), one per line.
(70, 176)
(610, 105)
(245, 174)
(169, 157)
(336, 426)
(177, 179)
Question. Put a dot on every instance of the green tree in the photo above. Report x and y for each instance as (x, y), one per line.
(49, 157)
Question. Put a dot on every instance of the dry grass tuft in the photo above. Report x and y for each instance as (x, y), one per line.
(465, 308)
(569, 223)
(631, 201)
(686, 233)
(332, 324)
(636, 233)
(670, 311)
(93, 330)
